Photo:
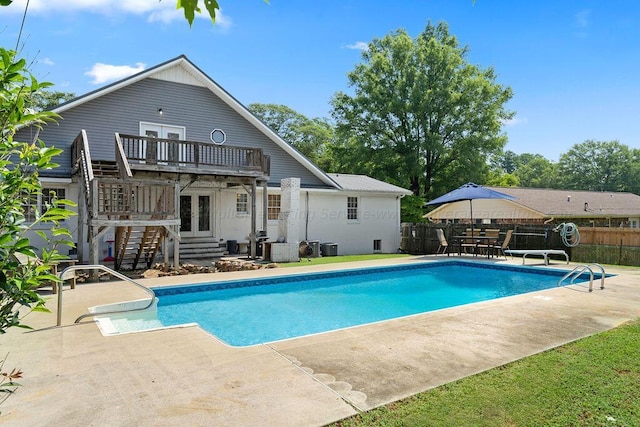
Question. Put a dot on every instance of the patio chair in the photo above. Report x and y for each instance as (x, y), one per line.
(491, 236)
(444, 246)
(468, 242)
(502, 246)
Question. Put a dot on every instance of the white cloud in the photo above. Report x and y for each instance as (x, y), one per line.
(103, 73)
(515, 121)
(358, 46)
(47, 61)
(582, 18)
(163, 11)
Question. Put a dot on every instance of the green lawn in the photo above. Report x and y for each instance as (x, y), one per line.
(591, 382)
(343, 258)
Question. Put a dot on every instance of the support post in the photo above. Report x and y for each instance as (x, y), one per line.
(82, 218)
(176, 241)
(94, 252)
(265, 203)
(176, 249)
(254, 248)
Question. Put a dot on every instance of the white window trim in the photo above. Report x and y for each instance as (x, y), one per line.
(242, 213)
(272, 221)
(50, 184)
(358, 213)
(142, 125)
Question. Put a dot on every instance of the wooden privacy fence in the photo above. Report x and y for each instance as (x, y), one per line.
(421, 238)
(606, 236)
(603, 245)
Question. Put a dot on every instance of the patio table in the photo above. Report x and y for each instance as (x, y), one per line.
(464, 237)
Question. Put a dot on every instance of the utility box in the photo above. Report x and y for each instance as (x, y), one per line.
(315, 245)
(329, 249)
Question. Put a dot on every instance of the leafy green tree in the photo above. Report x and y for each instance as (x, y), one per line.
(421, 114)
(524, 170)
(20, 164)
(538, 172)
(412, 209)
(633, 172)
(46, 100)
(499, 179)
(596, 166)
(309, 136)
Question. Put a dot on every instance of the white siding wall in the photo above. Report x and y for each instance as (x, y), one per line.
(71, 190)
(326, 220)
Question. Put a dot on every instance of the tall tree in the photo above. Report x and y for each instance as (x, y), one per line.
(525, 170)
(309, 136)
(537, 172)
(44, 100)
(421, 112)
(597, 166)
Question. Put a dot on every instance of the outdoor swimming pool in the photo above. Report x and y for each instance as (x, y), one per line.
(243, 313)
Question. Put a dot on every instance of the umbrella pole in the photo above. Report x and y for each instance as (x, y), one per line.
(471, 214)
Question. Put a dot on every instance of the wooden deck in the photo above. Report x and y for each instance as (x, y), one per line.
(168, 155)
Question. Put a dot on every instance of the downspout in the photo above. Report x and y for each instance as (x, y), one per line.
(306, 221)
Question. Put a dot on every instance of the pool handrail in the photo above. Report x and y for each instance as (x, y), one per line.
(603, 275)
(111, 272)
(576, 272)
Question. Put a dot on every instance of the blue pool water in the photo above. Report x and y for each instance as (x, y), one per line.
(250, 312)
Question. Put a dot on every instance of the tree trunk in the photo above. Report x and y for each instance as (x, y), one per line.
(414, 185)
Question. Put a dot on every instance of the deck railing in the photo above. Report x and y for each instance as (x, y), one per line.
(133, 199)
(191, 154)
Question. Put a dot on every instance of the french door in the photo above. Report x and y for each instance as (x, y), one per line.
(161, 131)
(196, 219)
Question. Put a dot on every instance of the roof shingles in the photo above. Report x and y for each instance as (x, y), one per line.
(575, 203)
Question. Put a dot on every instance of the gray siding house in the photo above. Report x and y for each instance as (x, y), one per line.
(166, 161)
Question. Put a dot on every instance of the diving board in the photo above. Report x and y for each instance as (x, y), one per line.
(538, 252)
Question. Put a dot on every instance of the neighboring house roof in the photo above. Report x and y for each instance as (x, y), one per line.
(181, 70)
(575, 203)
(363, 183)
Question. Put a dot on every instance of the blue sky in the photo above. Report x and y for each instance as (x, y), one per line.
(573, 65)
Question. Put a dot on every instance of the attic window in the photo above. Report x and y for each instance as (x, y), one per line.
(218, 136)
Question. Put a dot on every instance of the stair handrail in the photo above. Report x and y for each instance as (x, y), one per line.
(577, 272)
(82, 159)
(121, 276)
(121, 159)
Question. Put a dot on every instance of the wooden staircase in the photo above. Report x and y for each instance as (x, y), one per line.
(133, 245)
(137, 245)
(105, 168)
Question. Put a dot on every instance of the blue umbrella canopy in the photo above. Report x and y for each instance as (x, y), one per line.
(470, 192)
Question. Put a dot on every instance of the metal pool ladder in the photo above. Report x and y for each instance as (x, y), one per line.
(113, 273)
(577, 272)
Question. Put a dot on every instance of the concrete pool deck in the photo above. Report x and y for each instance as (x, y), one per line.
(75, 376)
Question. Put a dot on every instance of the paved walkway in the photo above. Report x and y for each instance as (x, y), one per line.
(74, 376)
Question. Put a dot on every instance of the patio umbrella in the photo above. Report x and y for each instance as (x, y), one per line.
(470, 192)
